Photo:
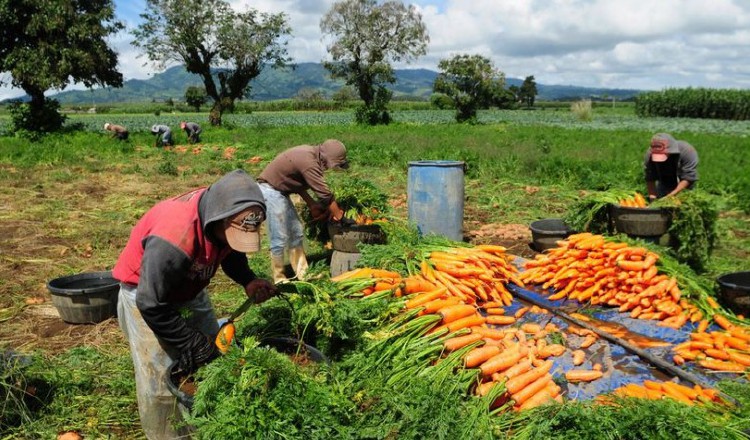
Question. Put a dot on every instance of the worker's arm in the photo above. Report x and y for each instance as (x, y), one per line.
(651, 188)
(682, 184)
(236, 267)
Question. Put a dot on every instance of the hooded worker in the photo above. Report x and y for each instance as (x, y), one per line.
(164, 310)
(670, 166)
(296, 171)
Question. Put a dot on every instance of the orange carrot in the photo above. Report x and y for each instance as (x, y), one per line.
(702, 326)
(635, 266)
(501, 361)
(426, 297)
(534, 387)
(466, 322)
(500, 320)
(454, 344)
(722, 366)
(578, 357)
(520, 312)
(478, 355)
(551, 350)
(455, 312)
(722, 322)
(437, 304)
(583, 375)
(519, 382)
(417, 284)
(538, 399)
(495, 311)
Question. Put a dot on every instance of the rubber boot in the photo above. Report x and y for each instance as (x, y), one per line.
(277, 266)
(298, 261)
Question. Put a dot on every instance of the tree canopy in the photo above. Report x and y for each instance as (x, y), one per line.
(49, 45)
(366, 37)
(527, 93)
(226, 48)
(471, 82)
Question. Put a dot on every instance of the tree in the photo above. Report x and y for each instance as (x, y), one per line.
(48, 45)
(208, 35)
(471, 82)
(196, 97)
(527, 93)
(367, 37)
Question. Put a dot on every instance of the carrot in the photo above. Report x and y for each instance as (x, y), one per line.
(537, 399)
(480, 354)
(224, 337)
(491, 248)
(468, 321)
(426, 297)
(520, 312)
(500, 320)
(722, 322)
(495, 311)
(583, 375)
(455, 312)
(678, 360)
(484, 388)
(490, 332)
(717, 354)
(739, 358)
(521, 367)
(721, 366)
(551, 350)
(354, 273)
(417, 284)
(501, 361)
(702, 326)
(578, 357)
(519, 382)
(437, 304)
(534, 387)
(531, 328)
(628, 265)
(588, 341)
(454, 344)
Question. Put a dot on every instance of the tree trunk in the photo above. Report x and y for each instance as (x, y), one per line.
(214, 117)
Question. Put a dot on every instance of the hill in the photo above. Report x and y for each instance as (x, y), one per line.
(283, 84)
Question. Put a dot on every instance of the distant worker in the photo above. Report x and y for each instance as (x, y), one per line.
(670, 166)
(192, 130)
(118, 131)
(295, 171)
(163, 135)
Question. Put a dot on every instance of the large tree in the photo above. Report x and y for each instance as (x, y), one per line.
(471, 82)
(527, 93)
(208, 36)
(48, 45)
(367, 36)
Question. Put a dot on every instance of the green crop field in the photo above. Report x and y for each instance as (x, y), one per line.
(68, 203)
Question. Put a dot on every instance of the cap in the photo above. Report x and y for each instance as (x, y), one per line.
(662, 145)
(243, 230)
(106, 125)
(154, 128)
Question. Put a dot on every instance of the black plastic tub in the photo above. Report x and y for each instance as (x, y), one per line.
(547, 232)
(734, 291)
(288, 346)
(641, 222)
(85, 298)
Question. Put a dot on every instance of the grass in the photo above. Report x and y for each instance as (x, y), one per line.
(69, 201)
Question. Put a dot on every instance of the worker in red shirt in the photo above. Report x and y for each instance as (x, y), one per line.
(164, 310)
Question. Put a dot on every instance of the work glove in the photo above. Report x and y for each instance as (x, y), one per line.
(260, 289)
(319, 212)
(199, 350)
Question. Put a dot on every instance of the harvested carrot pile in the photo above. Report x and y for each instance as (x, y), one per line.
(724, 351)
(589, 269)
(669, 390)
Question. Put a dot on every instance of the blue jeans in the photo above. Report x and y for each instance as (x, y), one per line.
(285, 229)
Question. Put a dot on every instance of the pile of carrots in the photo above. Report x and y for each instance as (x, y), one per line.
(725, 351)
(669, 390)
(587, 268)
(637, 201)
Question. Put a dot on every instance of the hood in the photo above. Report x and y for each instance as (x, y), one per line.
(231, 194)
(332, 154)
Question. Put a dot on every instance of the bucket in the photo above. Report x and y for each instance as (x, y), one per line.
(547, 232)
(734, 291)
(641, 222)
(343, 262)
(345, 239)
(85, 298)
(435, 195)
(286, 345)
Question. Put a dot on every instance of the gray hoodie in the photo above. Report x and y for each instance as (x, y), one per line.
(681, 164)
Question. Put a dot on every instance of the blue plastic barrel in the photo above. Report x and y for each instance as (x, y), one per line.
(435, 195)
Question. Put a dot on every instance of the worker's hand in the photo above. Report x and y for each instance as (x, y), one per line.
(319, 212)
(651, 197)
(261, 290)
(198, 351)
(336, 213)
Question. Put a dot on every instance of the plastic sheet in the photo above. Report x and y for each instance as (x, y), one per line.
(620, 367)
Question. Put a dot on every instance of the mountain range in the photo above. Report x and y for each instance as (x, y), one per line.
(273, 84)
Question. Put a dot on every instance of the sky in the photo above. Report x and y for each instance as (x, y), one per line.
(625, 44)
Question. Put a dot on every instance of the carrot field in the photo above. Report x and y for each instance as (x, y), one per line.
(68, 202)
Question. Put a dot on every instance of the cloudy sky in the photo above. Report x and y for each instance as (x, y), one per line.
(633, 44)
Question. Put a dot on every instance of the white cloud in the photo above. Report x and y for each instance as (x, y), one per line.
(641, 44)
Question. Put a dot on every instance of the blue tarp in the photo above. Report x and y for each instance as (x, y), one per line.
(620, 366)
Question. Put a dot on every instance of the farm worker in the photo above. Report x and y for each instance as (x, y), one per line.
(670, 166)
(295, 171)
(163, 135)
(192, 130)
(164, 310)
(118, 131)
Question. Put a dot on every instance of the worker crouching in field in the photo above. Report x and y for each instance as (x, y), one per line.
(670, 166)
(192, 130)
(295, 171)
(163, 135)
(164, 310)
(118, 131)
